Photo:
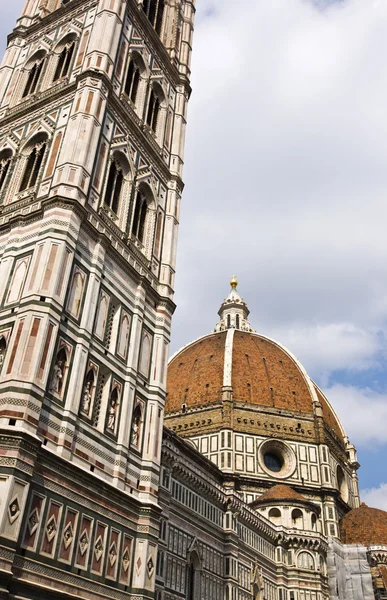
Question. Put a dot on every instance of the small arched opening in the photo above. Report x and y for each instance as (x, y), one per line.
(275, 516)
(297, 519)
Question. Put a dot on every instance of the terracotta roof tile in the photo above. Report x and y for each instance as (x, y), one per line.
(195, 375)
(280, 492)
(364, 525)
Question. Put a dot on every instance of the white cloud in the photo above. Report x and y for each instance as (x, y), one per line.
(285, 172)
(326, 347)
(375, 497)
(363, 413)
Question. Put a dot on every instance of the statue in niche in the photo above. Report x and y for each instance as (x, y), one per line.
(256, 581)
(86, 398)
(57, 377)
(3, 347)
(135, 434)
(112, 412)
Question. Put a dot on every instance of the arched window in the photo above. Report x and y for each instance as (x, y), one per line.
(153, 110)
(64, 61)
(297, 519)
(275, 516)
(114, 186)
(139, 219)
(238, 322)
(34, 75)
(5, 161)
(305, 561)
(154, 10)
(228, 321)
(32, 168)
(314, 522)
(132, 81)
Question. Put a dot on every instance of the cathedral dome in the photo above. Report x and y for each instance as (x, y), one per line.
(365, 526)
(257, 372)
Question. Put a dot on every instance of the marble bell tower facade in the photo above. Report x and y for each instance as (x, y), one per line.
(93, 102)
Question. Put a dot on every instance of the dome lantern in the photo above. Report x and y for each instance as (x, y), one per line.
(233, 311)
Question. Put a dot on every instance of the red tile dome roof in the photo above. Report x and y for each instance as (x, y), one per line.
(280, 492)
(365, 526)
(260, 372)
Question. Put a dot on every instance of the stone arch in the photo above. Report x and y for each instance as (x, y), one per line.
(135, 80)
(63, 56)
(194, 568)
(33, 71)
(156, 109)
(117, 186)
(305, 560)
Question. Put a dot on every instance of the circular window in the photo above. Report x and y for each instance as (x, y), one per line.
(277, 459)
(274, 462)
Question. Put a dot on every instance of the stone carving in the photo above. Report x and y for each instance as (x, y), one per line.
(150, 566)
(33, 521)
(86, 398)
(51, 528)
(68, 535)
(83, 542)
(13, 510)
(113, 554)
(126, 560)
(256, 581)
(57, 377)
(98, 549)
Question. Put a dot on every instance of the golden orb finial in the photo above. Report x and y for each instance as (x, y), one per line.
(234, 282)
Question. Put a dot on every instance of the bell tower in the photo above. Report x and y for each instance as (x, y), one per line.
(93, 104)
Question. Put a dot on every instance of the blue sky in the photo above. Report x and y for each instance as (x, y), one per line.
(286, 186)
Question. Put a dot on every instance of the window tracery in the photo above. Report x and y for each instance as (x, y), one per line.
(154, 10)
(140, 217)
(5, 163)
(114, 186)
(33, 166)
(132, 81)
(64, 61)
(153, 110)
(33, 79)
